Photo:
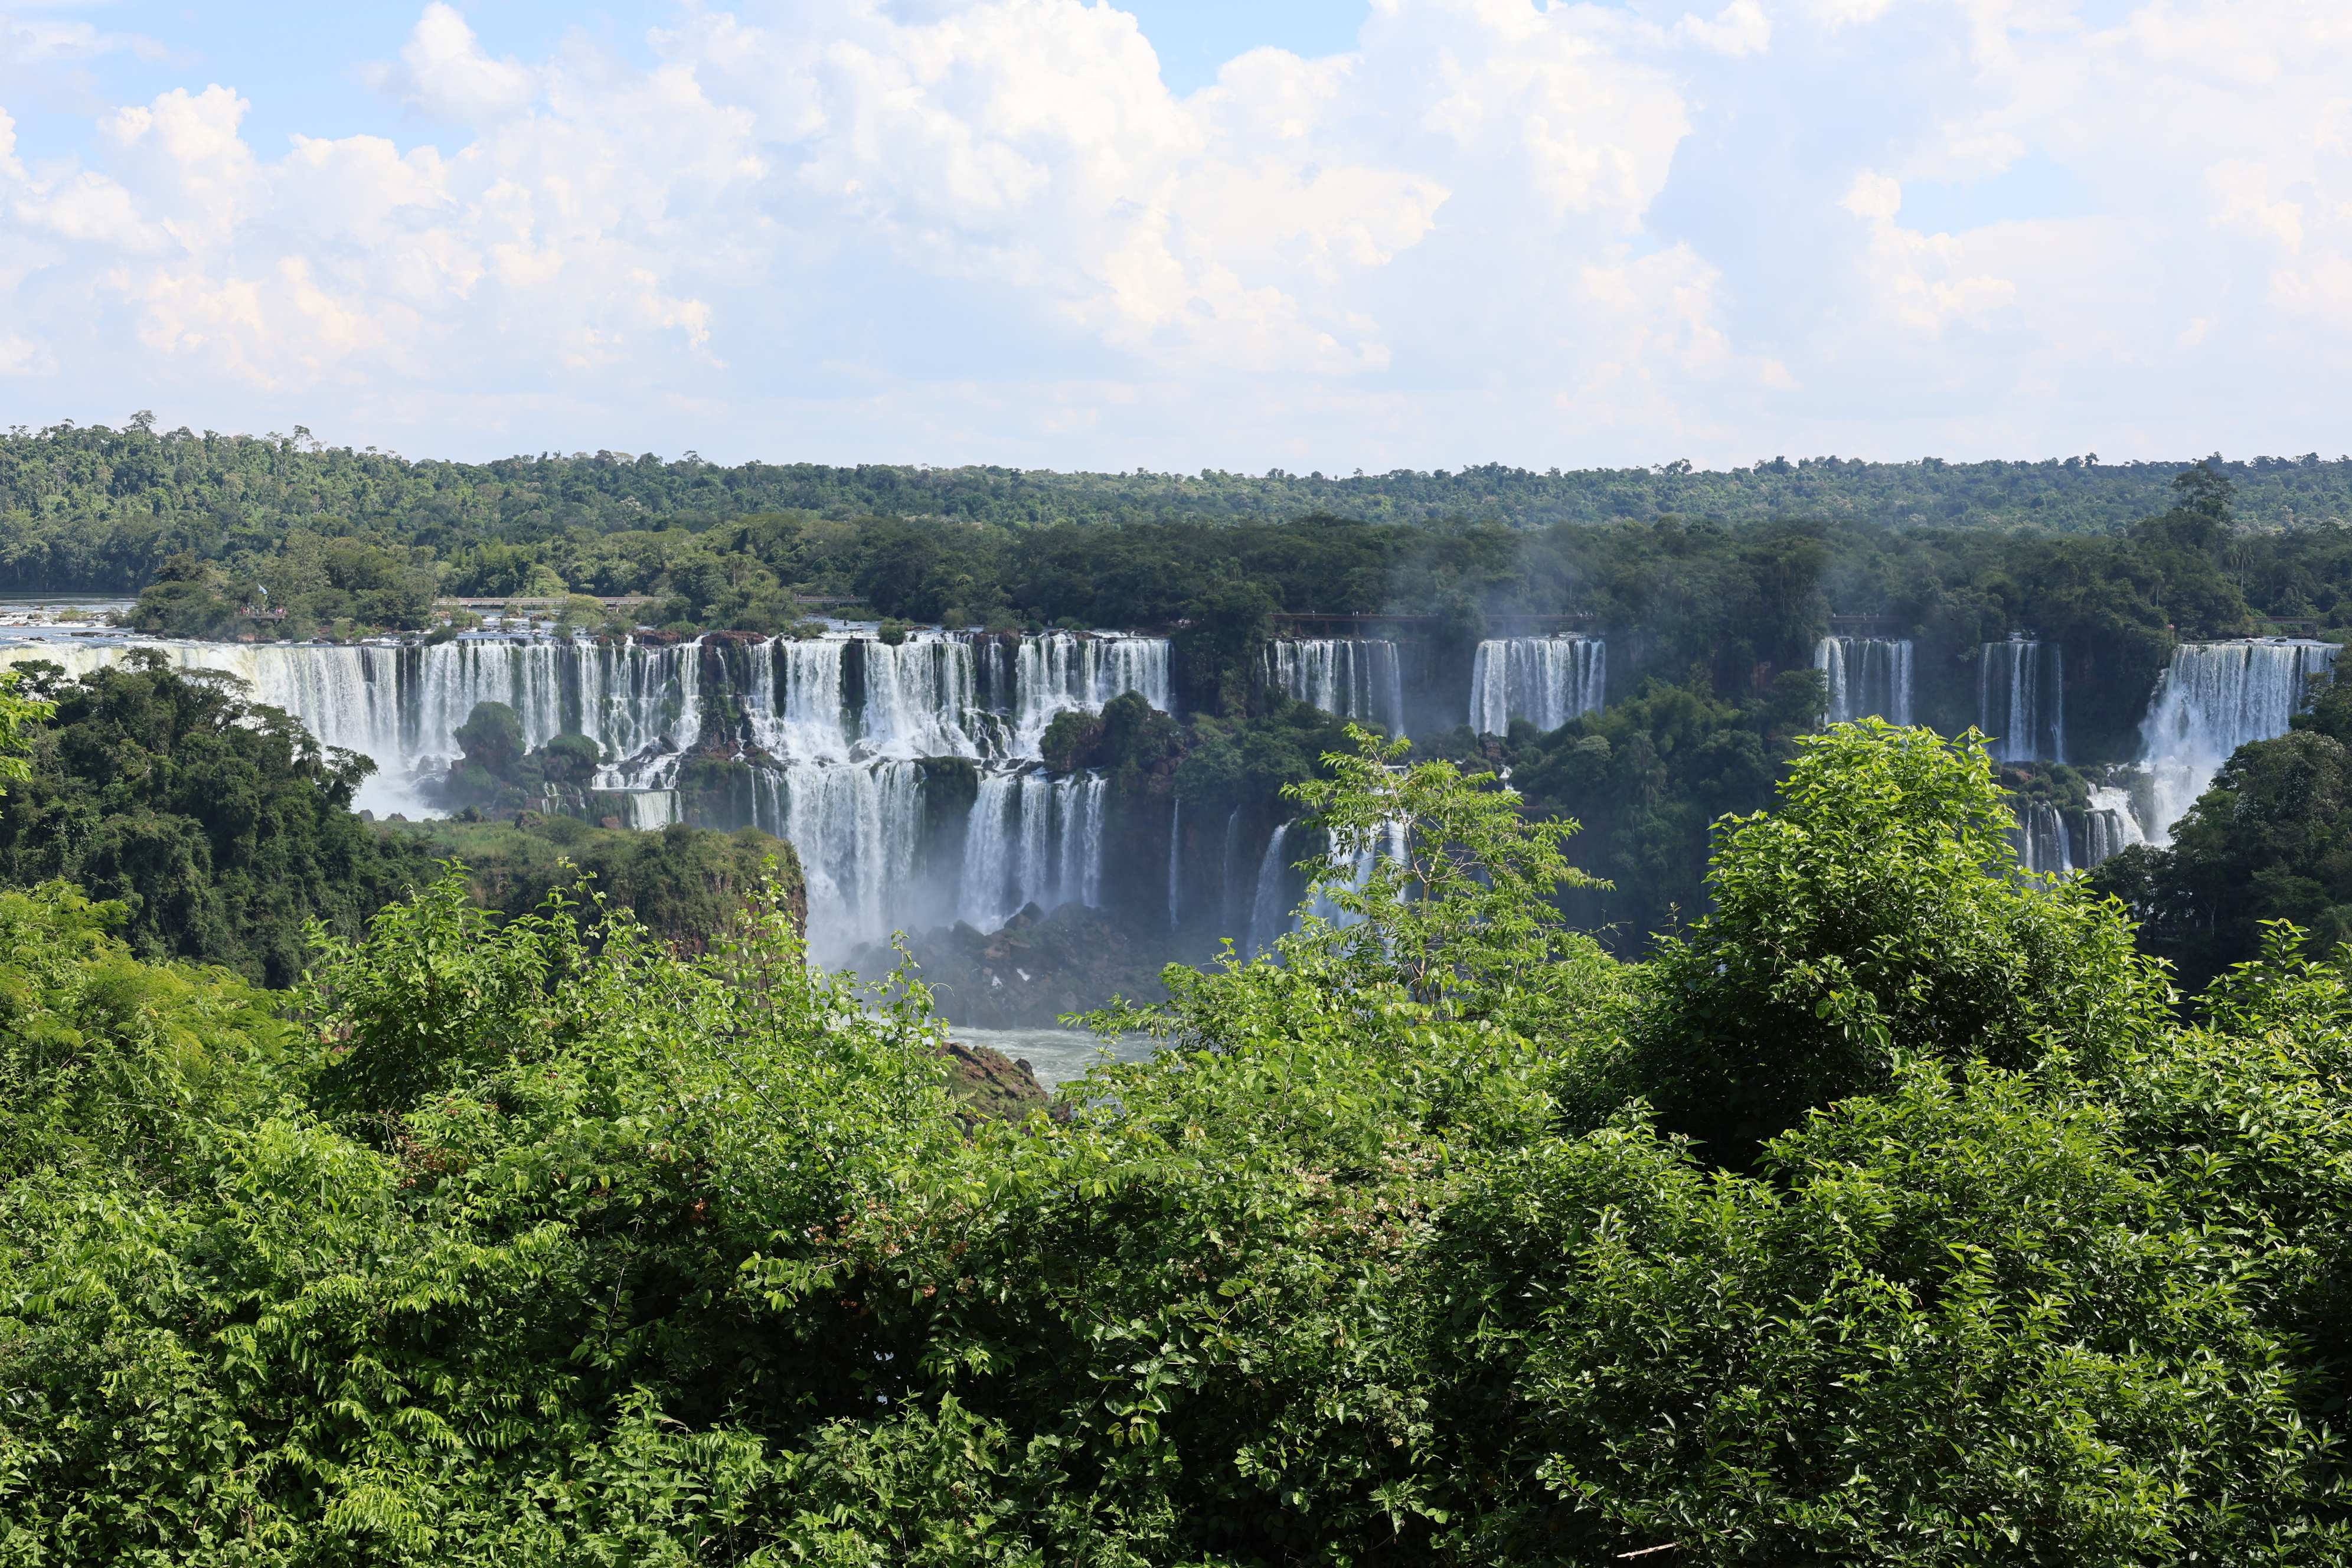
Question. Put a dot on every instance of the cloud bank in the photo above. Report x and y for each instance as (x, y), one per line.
(990, 231)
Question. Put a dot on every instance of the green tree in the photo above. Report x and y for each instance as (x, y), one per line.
(1877, 918)
(217, 827)
(1456, 896)
(19, 712)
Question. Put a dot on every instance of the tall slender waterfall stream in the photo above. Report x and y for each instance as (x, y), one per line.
(2022, 699)
(1866, 676)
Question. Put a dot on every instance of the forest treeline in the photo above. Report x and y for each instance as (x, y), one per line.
(1889, 1213)
(95, 510)
(1733, 605)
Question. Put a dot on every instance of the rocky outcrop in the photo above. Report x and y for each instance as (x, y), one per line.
(989, 1086)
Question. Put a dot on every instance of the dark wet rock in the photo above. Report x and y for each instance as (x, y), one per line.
(1034, 969)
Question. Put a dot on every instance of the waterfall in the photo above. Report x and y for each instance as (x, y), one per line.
(2110, 826)
(922, 699)
(1270, 909)
(795, 702)
(1545, 681)
(648, 809)
(2022, 699)
(1031, 838)
(1274, 911)
(842, 721)
(2040, 837)
(2212, 699)
(643, 706)
(1062, 672)
(401, 705)
(1393, 844)
(856, 827)
(1866, 676)
(940, 695)
(1354, 678)
(1175, 863)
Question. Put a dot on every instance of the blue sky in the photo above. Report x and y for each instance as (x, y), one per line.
(1188, 233)
(300, 65)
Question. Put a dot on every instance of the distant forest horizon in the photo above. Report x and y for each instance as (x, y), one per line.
(97, 473)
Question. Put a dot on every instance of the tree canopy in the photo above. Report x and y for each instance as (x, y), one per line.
(1428, 1243)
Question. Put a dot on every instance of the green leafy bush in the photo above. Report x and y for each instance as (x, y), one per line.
(512, 1242)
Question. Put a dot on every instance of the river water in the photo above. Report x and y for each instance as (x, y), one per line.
(1056, 1055)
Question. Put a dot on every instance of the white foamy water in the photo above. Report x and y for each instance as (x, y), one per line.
(1354, 678)
(1867, 676)
(2040, 837)
(2111, 826)
(838, 726)
(401, 704)
(1031, 838)
(1057, 1056)
(1545, 681)
(2214, 698)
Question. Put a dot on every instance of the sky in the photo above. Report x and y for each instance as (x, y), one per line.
(1317, 235)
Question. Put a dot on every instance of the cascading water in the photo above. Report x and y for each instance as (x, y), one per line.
(1270, 906)
(794, 703)
(1354, 678)
(2214, 698)
(2022, 699)
(1395, 841)
(1061, 673)
(2110, 826)
(922, 699)
(1866, 676)
(856, 828)
(401, 705)
(1274, 907)
(840, 725)
(1031, 838)
(2040, 837)
(1545, 681)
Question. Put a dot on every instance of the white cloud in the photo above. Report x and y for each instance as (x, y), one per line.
(444, 73)
(989, 228)
(1739, 28)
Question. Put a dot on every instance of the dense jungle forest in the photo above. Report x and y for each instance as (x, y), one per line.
(98, 510)
(1685, 1134)
(1893, 1212)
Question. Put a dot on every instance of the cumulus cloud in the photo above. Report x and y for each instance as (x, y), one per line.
(1739, 28)
(443, 72)
(990, 228)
